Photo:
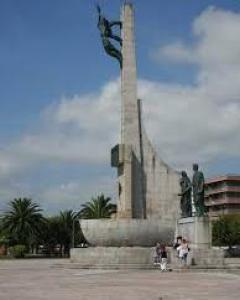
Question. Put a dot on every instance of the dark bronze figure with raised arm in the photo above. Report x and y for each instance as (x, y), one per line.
(105, 28)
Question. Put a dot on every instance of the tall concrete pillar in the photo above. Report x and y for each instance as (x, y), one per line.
(129, 108)
(130, 172)
(148, 187)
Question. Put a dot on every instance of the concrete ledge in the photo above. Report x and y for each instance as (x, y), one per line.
(106, 267)
(113, 257)
(142, 258)
(232, 262)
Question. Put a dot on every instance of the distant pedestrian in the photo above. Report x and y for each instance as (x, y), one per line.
(163, 264)
(183, 251)
(157, 257)
(177, 244)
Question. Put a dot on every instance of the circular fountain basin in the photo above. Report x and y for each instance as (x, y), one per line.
(126, 232)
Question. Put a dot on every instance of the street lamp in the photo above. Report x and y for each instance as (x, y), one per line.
(75, 215)
(73, 232)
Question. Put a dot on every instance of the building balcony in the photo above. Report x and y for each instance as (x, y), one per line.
(223, 189)
(221, 201)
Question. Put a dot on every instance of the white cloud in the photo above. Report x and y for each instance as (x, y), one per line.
(81, 129)
(72, 194)
(176, 52)
(218, 37)
(207, 113)
(215, 50)
(187, 125)
(216, 41)
(184, 123)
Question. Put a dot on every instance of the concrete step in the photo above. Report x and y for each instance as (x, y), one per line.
(105, 266)
(148, 267)
(209, 270)
(200, 269)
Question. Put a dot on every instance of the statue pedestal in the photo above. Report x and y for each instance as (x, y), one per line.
(196, 230)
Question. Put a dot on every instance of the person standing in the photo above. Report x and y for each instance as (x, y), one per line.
(183, 252)
(177, 244)
(198, 191)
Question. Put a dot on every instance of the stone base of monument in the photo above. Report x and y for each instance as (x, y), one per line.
(129, 244)
(121, 243)
(196, 230)
(142, 258)
(113, 257)
(119, 258)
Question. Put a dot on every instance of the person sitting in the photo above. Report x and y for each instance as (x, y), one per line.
(163, 253)
(157, 257)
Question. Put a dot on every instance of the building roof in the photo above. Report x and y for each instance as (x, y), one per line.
(227, 177)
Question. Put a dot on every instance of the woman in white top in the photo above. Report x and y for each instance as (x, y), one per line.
(183, 251)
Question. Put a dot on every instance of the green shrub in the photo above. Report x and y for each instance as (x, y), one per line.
(17, 251)
(226, 231)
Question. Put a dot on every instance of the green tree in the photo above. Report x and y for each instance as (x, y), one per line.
(60, 231)
(22, 222)
(66, 222)
(226, 230)
(50, 234)
(97, 208)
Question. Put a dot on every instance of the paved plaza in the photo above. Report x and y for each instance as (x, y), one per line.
(40, 280)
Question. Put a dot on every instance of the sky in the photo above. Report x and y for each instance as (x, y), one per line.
(60, 94)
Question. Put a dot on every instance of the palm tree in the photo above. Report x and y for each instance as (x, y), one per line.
(66, 223)
(59, 231)
(97, 208)
(50, 234)
(66, 220)
(22, 222)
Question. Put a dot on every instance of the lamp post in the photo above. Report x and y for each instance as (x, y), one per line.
(75, 218)
(73, 232)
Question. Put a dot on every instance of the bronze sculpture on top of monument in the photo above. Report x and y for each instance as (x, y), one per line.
(105, 28)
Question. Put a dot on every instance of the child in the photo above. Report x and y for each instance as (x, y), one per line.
(163, 253)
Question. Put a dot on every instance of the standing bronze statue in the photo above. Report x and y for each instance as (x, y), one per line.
(186, 195)
(198, 191)
(105, 28)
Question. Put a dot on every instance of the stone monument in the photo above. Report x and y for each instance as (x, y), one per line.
(147, 205)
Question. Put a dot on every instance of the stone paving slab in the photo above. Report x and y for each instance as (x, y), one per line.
(38, 280)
